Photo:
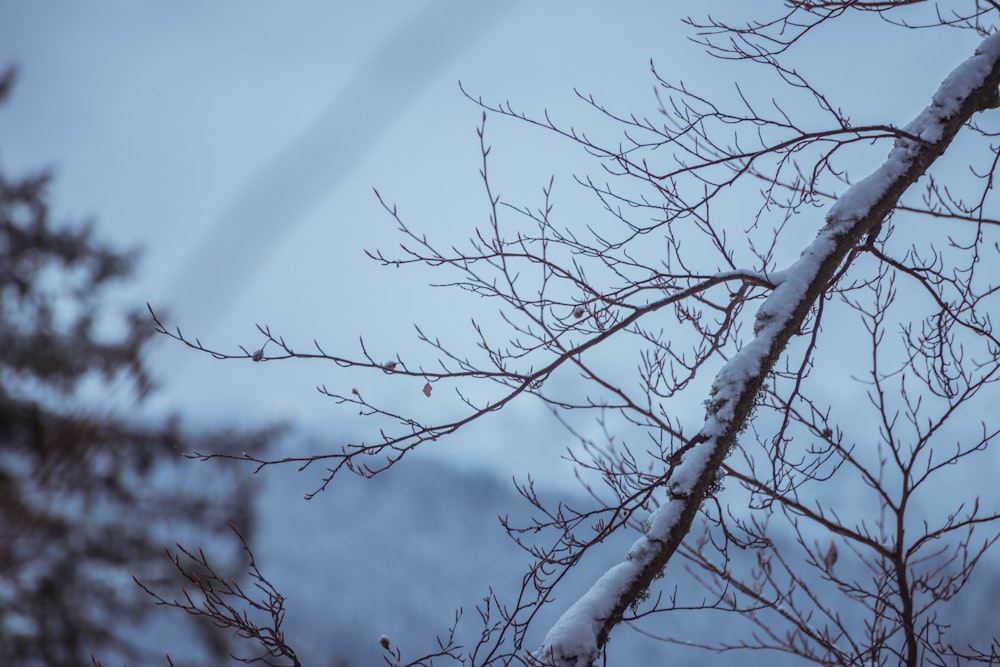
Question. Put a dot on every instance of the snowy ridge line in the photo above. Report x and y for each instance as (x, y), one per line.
(578, 637)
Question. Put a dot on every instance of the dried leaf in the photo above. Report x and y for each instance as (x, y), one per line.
(427, 390)
(831, 556)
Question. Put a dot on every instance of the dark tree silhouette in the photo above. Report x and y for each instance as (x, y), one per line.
(89, 492)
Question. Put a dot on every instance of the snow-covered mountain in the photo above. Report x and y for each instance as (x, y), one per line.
(400, 553)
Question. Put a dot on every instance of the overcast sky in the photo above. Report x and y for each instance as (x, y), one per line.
(238, 143)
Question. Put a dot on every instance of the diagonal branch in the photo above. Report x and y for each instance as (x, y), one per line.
(579, 636)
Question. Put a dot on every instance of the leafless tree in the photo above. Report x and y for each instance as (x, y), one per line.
(224, 601)
(844, 379)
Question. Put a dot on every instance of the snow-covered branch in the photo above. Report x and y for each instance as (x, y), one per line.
(577, 639)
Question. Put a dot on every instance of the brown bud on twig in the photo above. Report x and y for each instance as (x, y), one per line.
(384, 641)
(831, 556)
(765, 563)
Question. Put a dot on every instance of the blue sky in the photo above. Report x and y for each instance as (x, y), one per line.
(238, 143)
(166, 124)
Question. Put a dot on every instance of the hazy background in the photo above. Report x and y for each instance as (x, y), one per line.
(237, 144)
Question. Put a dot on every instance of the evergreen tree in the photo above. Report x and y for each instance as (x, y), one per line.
(89, 495)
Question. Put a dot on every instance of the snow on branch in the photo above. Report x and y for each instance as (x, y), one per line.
(578, 637)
